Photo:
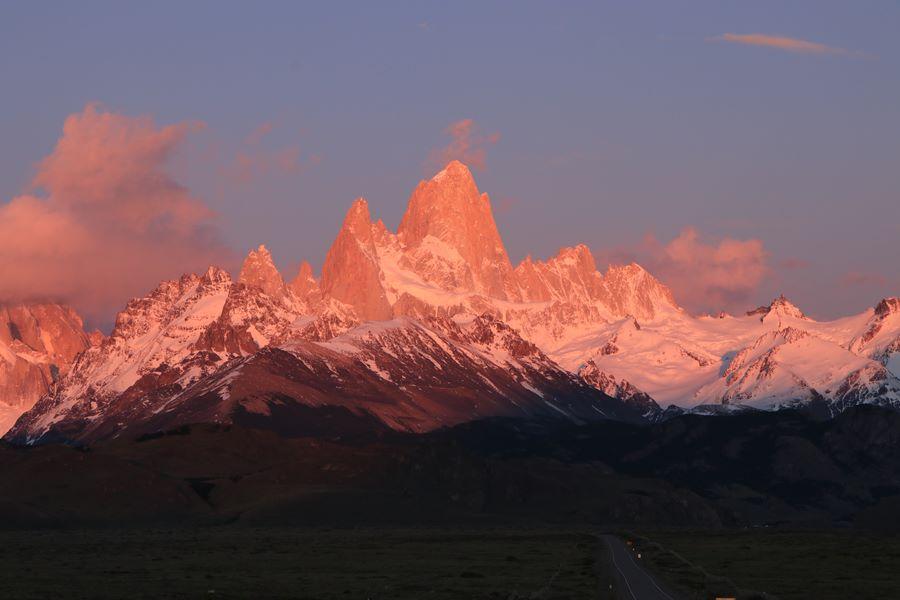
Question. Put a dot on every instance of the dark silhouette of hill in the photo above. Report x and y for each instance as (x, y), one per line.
(752, 469)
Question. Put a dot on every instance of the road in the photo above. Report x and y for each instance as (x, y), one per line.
(633, 582)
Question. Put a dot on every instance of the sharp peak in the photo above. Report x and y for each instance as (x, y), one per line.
(259, 270)
(781, 300)
(577, 249)
(780, 305)
(359, 210)
(358, 218)
(454, 170)
(304, 271)
(260, 252)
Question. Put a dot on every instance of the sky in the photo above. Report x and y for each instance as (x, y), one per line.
(739, 150)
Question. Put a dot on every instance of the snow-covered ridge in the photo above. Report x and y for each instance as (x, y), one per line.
(769, 358)
(443, 286)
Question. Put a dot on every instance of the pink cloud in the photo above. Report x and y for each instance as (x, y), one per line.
(704, 276)
(787, 44)
(466, 145)
(254, 162)
(112, 222)
(259, 133)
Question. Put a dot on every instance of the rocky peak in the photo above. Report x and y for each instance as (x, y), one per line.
(779, 307)
(888, 306)
(305, 286)
(215, 276)
(570, 276)
(631, 290)
(351, 272)
(358, 220)
(165, 303)
(259, 270)
(580, 257)
(450, 209)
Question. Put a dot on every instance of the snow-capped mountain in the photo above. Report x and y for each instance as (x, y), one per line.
(447, 258)
(432, 325)
(772, 357)
(38, 342)
(402, 374)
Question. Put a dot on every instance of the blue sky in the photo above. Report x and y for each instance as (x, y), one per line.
(615, 119)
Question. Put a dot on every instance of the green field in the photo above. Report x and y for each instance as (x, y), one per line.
(787, 565)
(228, 562)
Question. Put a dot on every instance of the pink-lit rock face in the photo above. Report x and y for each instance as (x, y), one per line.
(448, 215)
(305, 286)
(447, 258)
(259, 270)
(351, 273)
(38, 343)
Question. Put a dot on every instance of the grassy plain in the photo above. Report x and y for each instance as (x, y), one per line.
(241, 562)
(789, 565)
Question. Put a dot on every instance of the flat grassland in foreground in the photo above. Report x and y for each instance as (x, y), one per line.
(229, 562)
(832, 565)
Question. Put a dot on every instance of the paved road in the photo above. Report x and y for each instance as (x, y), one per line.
(633, 582)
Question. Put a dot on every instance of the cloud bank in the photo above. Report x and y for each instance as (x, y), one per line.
(111, 222)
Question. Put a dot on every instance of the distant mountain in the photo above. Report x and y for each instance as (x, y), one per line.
(772, 357)
(401, 331)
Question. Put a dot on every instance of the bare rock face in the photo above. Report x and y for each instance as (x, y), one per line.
(38, 343)
(305, 286)
(631, 290)
(449, 223)
(570, 276)
(259, 270)
(351, 273)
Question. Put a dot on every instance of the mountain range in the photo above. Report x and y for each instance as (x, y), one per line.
(422, 328)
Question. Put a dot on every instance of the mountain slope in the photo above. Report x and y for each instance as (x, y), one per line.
(401, 374)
